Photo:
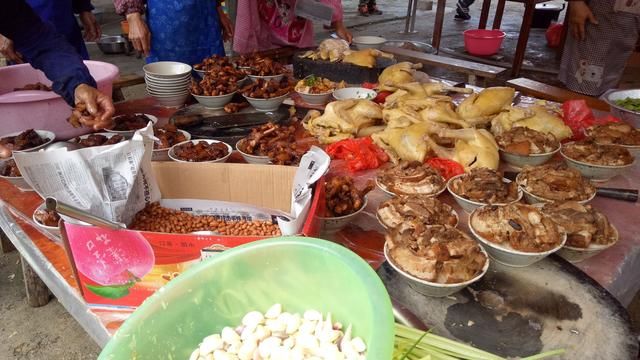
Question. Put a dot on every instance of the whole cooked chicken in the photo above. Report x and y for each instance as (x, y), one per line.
(420, 91)
(534, 117)
(517, 226)
(330, 49)
(584, 225)
(437, 253)
(342, 119)
(404, 143)
(396, 74)
(474, 148)
(484, 105)
(366, 58)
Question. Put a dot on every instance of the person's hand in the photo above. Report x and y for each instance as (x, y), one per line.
(7, 50)
(579, 13)
(99, 106)
(139, 33)
(92, 31)
(342, 31)
(226, 24)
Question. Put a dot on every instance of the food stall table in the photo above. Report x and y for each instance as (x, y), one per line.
(614, 269)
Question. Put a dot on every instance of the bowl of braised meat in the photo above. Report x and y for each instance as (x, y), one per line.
(435, 260)
(26, 141)
(213, 93)
(258, 67)
(482, 186)
(410, 178)
(267, 95)
(47, 219)
(168, 135)
(595, 161)
(343, 202)
(516, 234)
(9, 171)
(522, 146)
(589, 231)
(616, 133)
(98, 139)
(127, 124)
(554, 182)
(420, 208)
(204, 150)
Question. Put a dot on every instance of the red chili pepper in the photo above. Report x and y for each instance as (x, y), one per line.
(382, 96)
(360, 154)
(447, 168)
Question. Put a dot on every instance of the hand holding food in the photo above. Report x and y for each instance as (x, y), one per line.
(93, 108)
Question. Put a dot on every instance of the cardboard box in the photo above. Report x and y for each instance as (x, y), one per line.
(122, 268)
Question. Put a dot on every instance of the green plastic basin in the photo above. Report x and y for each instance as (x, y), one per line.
(300, 273)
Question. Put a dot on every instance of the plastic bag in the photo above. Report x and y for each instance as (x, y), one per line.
(554, 35)
(578, 116)
(360, 154)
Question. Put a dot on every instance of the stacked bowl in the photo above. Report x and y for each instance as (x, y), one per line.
(168, 82)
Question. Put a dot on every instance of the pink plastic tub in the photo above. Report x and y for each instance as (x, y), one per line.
(482, 42)
(43, 110)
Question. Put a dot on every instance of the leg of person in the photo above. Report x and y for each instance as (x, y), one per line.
(373, 8)
(462, 10)
(595, 65)
(363, 8)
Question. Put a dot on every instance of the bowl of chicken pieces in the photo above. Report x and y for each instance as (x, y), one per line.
(589, 231)
(435, 260)
(522, 146)
(264, 141)
(595, 161)
(554, 182)
(267, 95)
(616, 133)
(344, 202)
(516, 234)
(168, 135)
(482, 186)
(47, 219)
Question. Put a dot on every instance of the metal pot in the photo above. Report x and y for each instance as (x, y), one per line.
(114, 45)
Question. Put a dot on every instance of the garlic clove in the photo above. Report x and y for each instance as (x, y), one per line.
(247, 349)
(274, 311)
(211, 343)
(358, 344)
(195, 354)
(253, 319)
(230, 336)
(268, 346)
(293, 324)
(312, 315)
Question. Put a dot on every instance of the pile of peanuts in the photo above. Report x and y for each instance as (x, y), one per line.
(160, 219)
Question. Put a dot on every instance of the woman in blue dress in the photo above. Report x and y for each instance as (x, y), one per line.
(176, 30)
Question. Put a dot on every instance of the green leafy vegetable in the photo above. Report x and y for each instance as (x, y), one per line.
(629, 104)
(311, 80)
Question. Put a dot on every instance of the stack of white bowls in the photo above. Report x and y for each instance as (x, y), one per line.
(168, 82)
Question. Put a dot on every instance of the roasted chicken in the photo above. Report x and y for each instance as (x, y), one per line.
(397, 74)
(342, 119)
(474, 148)
(534, 117)
(482, 106)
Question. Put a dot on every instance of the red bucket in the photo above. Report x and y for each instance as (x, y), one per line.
(482, 42)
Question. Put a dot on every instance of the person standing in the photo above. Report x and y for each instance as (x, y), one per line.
(186, 31)
(61, 15)
(603, 34)
(368, 7)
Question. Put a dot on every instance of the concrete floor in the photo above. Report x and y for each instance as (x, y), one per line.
(50, 332)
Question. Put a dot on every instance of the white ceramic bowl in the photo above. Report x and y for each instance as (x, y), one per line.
(265, 105)
(165, 93)
(391, 194)
(453, 212)
(521, 161)
(575, 254)
(354, 93)
(255, 78)
(163, 154)
(315, 99)
(334, 224)
(169, 89)
(167, 82)
(42, 133)
(108, 135)
(469, 205)
(129, 133)
(173, 157)
(176, 100)
(17, 181)
(432, 289)
(531, 198)
(596, 172)
(252, 159)
(510, 257)
(214, 102)
(368, 42)
(167, 69)
(53, 230)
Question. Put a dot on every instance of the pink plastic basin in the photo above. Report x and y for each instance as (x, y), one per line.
(43, 110)
(482, 42)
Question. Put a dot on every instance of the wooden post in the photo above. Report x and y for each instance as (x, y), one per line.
(437, 26)
(37, 292)
(5, 245)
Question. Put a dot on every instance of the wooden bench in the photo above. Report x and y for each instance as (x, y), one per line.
(548, 92)
(473, 70)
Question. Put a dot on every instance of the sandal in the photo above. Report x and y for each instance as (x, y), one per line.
(363, 10)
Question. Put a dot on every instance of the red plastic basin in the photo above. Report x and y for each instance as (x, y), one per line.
(483, 42)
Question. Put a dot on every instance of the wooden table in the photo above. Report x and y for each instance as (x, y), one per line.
(523, 37)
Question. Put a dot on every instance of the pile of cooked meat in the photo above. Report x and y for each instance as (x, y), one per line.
(583, 224)
(420, 208)
(25, 140)
(411, 178)
(517, 226)
(267, 89)
(47, 217)
(618, 133)
(260, 66)
(168, 135)
(439, 254)
(201, 151)
(485, 186)
(524, 141)
(278, 142)
(130, 122)
(11, 169)
(99, 140)
(342, 197)
(555, 182)
(590, 152)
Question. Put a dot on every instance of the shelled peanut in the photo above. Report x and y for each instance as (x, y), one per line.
(160, 219)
